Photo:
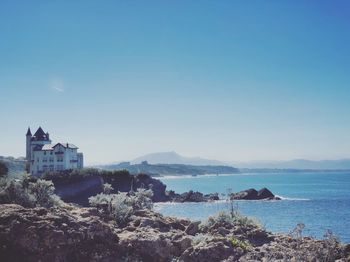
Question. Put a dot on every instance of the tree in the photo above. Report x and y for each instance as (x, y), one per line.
(3, 169)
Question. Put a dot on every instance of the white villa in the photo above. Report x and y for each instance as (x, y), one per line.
(43, 156)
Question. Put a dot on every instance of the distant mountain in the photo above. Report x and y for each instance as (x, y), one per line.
(340, 164)
(175, 158)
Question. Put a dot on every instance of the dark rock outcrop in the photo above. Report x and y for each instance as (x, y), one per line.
(252, 194)
(192, 196)
(264, 193)
(77, 188)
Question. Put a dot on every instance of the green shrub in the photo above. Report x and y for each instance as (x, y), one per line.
(141, 199)
(43, 192)
(240, 243)
(231, 218)
(107, 188)
(28, 192)
(122, 206)
(114, 206)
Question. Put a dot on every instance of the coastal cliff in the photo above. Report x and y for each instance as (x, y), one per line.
(76, 186)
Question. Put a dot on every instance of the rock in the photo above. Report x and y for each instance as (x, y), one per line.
(212, 197)
(180, 244)
(214, 251)
(252, 194)
(193, 228)
(223, 231)
(71, 233)
(34, 235)
(264, 193)
(155, 223)
(191, 196)
(146, 245)
(249, 194)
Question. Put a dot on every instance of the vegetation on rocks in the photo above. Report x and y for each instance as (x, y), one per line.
(28, 192)
(121, 206)
(241, 244)
(121, 226)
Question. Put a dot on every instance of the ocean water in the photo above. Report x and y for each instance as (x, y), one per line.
(319, 200)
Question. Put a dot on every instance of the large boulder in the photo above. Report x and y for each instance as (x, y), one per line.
(264, 193)
(252, 194)
(249, 194)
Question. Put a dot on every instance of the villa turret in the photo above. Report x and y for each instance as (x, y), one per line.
(43, 156)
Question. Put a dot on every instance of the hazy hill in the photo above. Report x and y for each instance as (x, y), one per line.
(174, 158)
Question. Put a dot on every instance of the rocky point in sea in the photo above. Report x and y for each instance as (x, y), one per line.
(253, 194)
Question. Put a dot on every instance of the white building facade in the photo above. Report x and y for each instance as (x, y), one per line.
(43, 156)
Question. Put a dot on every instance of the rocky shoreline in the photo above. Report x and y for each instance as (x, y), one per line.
(72, 233)
(77, 188)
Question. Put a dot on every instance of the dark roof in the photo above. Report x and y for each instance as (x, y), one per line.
(40, 135)
(66, 145)
(28, 132)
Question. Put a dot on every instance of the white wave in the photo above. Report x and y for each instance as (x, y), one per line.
(293, 198)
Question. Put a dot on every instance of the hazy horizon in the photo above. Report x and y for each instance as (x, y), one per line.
(231, 81)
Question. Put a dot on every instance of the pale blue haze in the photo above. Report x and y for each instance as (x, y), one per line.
(227, 80)
(319, 200)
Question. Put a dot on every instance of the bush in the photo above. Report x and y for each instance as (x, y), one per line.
(233, 218)
(43, 192)
(122, 206)
(114, 206)
(107, 188)
(28, 192)
(240, 243)
(142, 199)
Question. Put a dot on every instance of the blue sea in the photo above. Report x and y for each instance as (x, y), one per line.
(319, 200)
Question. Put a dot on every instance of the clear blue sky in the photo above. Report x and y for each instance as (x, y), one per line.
(230, 80)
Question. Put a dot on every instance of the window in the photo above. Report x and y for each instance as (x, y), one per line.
(51, 159)
(37, 160)
(45, 153)
(51, 168)
(50, 152)
(44, 159)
